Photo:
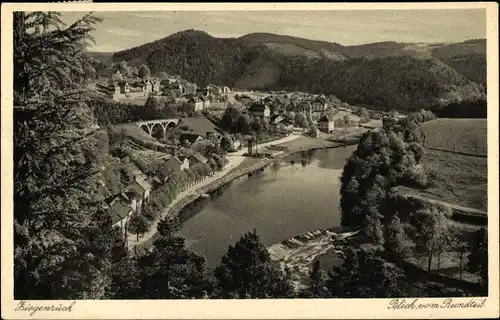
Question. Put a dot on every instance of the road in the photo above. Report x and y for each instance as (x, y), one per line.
(235, 159)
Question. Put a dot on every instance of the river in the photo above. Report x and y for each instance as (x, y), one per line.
(300, 193)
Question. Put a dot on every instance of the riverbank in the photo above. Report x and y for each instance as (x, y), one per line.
(229, 173)
(299, 253)
(238, 166)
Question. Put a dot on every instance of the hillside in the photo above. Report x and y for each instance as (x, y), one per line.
(291, 46)
(386, 74)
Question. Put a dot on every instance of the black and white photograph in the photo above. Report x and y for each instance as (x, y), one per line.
(250, 155)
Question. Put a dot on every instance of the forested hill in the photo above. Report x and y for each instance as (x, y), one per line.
(382, 74)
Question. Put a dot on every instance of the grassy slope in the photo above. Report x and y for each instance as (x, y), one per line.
(458, 135)
(457, 178)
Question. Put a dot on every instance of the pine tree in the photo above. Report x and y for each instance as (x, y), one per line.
(317, 283)
(364, 275)
(478, 257)
(246, 271)
(170, 271)
(60, 249)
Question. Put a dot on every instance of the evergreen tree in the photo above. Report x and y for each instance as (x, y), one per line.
(61, 251)
(364, 275)
(317, 283)
(246, 271)
(478, 257)
(170, 271)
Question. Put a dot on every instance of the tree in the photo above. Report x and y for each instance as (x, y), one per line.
(170, 271)
(256, 126)
(317, 283)
(61, 251)
(124, 69)
(309, 119)
(394, 241)
(230, 119)
(246, 271)
(139, 224)
(478, 256)
(432, 233)
(363, 274)
(301, 121)
(227, 143)
(243, 124)
(372, 228)
(144, 72)
(169, 111)
(151, 109)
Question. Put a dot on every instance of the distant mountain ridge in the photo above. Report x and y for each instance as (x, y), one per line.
(388, 74)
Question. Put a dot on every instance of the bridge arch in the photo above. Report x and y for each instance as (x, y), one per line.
(146, 128)
(152, 127)
(157, 130)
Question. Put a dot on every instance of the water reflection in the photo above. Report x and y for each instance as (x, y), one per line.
(280, 202)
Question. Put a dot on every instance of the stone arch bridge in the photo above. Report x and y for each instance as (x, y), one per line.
(151, 127)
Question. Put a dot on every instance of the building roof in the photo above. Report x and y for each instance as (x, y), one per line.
(191, 137)
(173, 164)
(276, 118)
(258, 107)
(197, 125)
(120, 210)
(198, 157)
(143, 183)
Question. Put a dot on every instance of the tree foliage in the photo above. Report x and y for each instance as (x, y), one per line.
(60, 249)
(364, 275)
(478, 257)
(246, 271)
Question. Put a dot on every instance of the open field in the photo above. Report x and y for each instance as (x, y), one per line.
(456, 178)
(457, 135)
(455, 162)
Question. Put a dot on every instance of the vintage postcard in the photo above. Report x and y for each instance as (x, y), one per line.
(258, 161)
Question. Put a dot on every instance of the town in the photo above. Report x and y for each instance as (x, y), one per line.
(258, 167)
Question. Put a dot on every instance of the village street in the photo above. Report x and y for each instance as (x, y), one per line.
(235, 159)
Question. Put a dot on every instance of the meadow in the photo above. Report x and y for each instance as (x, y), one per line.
(455, 162)
(457, 135)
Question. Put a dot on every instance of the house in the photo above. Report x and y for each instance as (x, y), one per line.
(176, 164)
(155, 86)
(276, 118)
(326, 123)
(191, 137)
(112, 90)
(260, 110)
(124, 86)
(162, 175)
(319, 105)
(214, 90)
(137, 194)
(196, 103)
(201, 126)
(173, 89)
(197, 158)
(244, 99)
(147, 87)
(202, 92)
(120, 212)
(199, 103)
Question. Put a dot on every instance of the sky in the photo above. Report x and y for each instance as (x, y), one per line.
(127, 29)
